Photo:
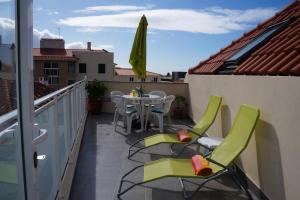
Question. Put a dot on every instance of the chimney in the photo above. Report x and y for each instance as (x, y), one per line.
(89, 46)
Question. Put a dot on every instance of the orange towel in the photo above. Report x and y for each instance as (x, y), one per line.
(201, 166)
(183, 136)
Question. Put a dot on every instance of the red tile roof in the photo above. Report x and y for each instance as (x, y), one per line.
(8, 94)
(279, 56)
(53, 54)
(8, 101)
(129, 72)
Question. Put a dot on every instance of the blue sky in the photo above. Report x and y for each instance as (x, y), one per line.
(180, 33)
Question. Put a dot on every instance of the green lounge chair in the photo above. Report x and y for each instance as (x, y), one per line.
(199, 129)
(220, 159)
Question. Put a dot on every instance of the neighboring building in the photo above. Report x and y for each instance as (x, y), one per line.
(7, 61)
(95, 64)
(58, 67)
(178, 76)
(127, 75)
(53, 64)
(261, 68)
(175, 77)
(272, 48)
(8, 100)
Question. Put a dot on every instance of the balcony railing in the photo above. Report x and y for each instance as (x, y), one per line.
(58, 117)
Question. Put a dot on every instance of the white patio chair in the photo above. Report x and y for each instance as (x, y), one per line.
(114, 96)
(127, 111)
(162, 94)
(155, 102)
(161, 110)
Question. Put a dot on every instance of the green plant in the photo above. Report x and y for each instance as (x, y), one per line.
(95, 89)
(180, 101)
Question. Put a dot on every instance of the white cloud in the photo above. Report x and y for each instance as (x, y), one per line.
(208, 21)
(6, 23)
(249, 15)
(89, 30)
(75, 45)
(7, 30)
(112, 8)
(45, 34)
(47, 11)
(105, 46)
(37, 35)
(81, 45)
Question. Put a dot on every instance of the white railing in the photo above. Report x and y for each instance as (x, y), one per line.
(58, 114)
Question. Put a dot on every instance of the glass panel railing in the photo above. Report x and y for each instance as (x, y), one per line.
(61, 118)
(47, 172)
(60, 114)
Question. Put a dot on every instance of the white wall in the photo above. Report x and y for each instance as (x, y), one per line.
(125, 78)
(271, 159)
(92, 59)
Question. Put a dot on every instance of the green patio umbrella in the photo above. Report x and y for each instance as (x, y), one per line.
(138, 52)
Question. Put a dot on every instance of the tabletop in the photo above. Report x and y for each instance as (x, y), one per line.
(149, 97)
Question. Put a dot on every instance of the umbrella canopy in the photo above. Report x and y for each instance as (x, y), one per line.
(138, 52)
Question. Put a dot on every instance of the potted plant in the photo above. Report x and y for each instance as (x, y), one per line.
(95, 91)
(180, 105)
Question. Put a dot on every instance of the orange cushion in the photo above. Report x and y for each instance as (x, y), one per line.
(183, 136)
(201, 166)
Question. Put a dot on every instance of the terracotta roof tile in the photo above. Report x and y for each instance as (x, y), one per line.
(53, 54)
(8, 94)
(296, 70)
(278, 56)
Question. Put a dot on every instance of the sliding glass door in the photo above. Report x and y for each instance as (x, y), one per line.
(17, 155)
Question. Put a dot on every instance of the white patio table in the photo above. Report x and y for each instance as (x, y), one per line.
(141, 101)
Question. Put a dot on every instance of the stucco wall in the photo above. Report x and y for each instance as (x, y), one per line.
(126, 87)
(271, 159)
(92, 59)
(126, 78)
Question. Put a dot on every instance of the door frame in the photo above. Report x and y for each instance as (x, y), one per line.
(25, 87)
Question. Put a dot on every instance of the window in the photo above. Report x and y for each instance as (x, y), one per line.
(131, 79)
(101, 68)
(51, 73)
(231, 63)
(71, 67)
(70, 82)
(0, 65)
(155, 79)
(82, 68)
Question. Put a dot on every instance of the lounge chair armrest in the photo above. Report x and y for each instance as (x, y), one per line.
(215, 162)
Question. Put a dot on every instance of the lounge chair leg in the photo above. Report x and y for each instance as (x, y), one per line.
(239, 182)
(120, 192)
(132, 146)
(134, 152)
(186, 196)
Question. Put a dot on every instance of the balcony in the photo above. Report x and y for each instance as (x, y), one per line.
(102, 158)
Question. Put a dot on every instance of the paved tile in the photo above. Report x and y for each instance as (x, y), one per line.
(103, 160)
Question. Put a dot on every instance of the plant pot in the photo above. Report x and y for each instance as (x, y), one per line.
(179, 113)
(95, 106)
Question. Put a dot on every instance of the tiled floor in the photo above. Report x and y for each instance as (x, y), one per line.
(103, 160)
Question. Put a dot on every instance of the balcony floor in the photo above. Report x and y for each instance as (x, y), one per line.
(103, 160)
